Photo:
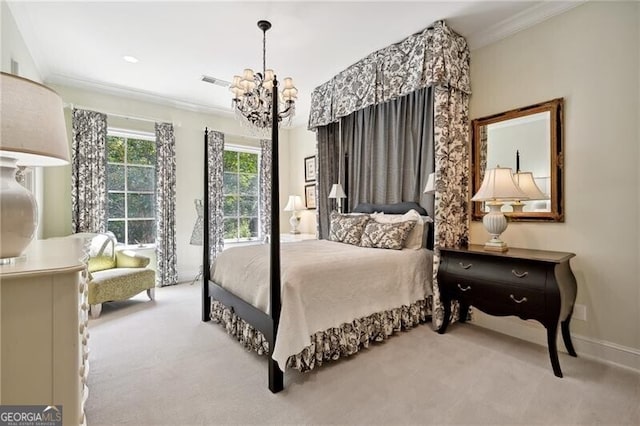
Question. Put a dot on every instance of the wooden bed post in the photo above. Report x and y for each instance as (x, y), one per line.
(276, 376)
(206, 272)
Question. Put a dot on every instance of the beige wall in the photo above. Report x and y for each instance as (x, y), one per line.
(302, 143)
(589, 56)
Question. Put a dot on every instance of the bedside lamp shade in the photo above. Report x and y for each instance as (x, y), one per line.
(33, 133)
(430, 187)
(338, 193)
(497, 186)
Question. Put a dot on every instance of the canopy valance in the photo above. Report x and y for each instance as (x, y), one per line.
(435, 56)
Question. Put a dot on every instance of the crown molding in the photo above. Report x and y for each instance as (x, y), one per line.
(521, 21)
(134, 94)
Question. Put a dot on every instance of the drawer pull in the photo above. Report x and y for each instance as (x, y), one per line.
(524, 299)
(519, 275)
(467, 288)
(463, 266)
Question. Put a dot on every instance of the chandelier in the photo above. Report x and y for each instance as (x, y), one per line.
(253, 94)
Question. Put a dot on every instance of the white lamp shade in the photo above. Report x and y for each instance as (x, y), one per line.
(430, 187)
(337, 191)
(294, 204)
(33, 125)
(498, 185)
(527, 184)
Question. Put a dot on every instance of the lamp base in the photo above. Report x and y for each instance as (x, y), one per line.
(495, 223)
(496, 245)
(518, 207)
(294, 221)
(18, 215)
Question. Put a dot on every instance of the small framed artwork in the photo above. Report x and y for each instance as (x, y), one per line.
(310, 169)
(310, 196)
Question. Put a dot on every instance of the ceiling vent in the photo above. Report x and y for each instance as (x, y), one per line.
(216, 81)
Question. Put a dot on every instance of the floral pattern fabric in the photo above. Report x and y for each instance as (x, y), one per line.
(435, 56)
(88, 172)
(347, 229)
(265, 188)
(166, 250)
(386, 235)
(329, 344)
(215, 152)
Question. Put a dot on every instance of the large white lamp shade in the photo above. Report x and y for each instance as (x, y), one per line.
(338, 193)
(527, 184)
(33, 133)
(497, 186)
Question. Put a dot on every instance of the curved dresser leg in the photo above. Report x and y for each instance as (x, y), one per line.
(566, 336)
(552, 334)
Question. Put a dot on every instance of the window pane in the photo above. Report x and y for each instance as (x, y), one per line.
(230, 183)
(141, 205)
(116, 205)
(248, 227)
(230, 161)
(141, 178)
(248, 206)
(115, 149)
(142, 231)
(117, 227)
(231, 228)
(248, 163)
(230, 206)
(248, 184)
(141, 152)
(115, 177)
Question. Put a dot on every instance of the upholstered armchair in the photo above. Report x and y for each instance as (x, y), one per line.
(116, 274)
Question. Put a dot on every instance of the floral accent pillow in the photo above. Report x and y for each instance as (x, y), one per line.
(347, 228)
(386, 235)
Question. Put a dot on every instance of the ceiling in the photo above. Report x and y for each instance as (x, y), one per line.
(81, 44)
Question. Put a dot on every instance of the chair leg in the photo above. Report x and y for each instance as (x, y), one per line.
(151, 292)
(95, 310)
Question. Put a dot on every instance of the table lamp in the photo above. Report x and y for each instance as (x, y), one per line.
(497, 187)
(527, 184)
(33, 133)
(294, 205)
(430, 187)
(338, 193)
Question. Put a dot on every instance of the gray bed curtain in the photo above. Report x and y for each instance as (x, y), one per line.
(167, 273)
(391, 150)
(215, 142)
(88, 171)
(265, 189)
(328, 138)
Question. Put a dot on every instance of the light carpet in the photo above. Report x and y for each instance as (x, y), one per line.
(155, 363)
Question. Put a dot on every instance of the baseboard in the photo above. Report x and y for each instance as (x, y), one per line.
(532, 331)
(187, 275)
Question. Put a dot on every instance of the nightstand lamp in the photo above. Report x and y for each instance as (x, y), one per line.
(294, 205)
(527, 184)
(33, 133)
(338, 193)
(497, 187)
(430, 187)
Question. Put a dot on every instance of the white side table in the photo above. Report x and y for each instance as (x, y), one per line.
(292, 238)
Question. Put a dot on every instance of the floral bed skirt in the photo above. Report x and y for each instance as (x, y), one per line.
(333, 343)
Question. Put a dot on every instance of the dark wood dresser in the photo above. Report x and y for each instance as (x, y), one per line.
(530, 284)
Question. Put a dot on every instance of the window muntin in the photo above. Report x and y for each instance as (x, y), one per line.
(131, 171)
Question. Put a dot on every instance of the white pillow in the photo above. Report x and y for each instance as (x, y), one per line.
(414, 240)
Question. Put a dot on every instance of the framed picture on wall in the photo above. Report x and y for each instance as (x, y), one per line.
(310, 169)
(310, 196)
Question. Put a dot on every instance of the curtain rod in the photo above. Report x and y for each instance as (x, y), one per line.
(126, 117)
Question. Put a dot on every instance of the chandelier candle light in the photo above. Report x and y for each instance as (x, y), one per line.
(252, 94)
(294, 205)
(497, 187)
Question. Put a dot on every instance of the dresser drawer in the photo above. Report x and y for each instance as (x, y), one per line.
(508, 270)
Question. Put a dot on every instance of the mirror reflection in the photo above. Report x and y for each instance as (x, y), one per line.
(529, 141)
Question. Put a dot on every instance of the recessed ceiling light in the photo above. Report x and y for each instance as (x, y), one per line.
(130, 59)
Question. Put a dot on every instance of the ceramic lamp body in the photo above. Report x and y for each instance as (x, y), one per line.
(294, 221)
(495, 223)
(18, 212)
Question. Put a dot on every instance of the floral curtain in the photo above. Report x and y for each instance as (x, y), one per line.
(265, 189)
(167, 273)
(88, 171)
(215, 149)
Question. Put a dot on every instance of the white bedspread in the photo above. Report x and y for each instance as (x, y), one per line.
(324, 284)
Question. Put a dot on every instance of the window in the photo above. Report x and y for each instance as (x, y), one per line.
(131, 187)
(241, 194)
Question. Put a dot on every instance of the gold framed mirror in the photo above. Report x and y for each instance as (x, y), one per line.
(528, 139)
